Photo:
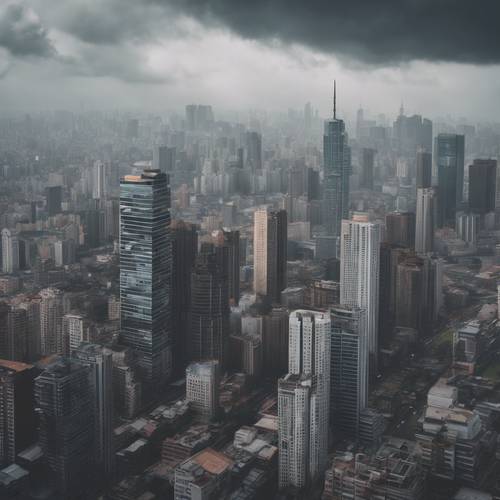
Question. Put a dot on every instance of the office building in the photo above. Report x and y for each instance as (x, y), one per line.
(270, 253)
(230, 240)
(424, 170)
(100, 363)
(425, 220)
(51, 314)
(184, 251)
(450, 172)
(467, 227)
(10, 251)
(13, 332)
(254, 150)
(349, 369)
(53, 196)
(400, 229)
(17, 409)
(202, 388)
(64, 397)
(75, 330)
(275, 339)
(209, 310)
(359, 274)
(367, 167)
(146, 271)
(482, 186)
(164, 159)
(337, 169)
(99, 180)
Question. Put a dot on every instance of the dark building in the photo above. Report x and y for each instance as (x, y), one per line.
(209, 311)
(450, 170)
(66, 432)
(133, 128)
(254, 150)
(424, 170)
(164, 159)
(231, 241)
(412, 133)
(17, 409)
(400, 229)
(275, 333)
(146, 271)
(184, 251)
(367, 166)
(482, 186)
(54, 199)
(313, 184)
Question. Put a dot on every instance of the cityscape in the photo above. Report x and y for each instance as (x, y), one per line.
(232, 292)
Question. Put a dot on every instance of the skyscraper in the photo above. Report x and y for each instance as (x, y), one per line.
(425, 220)
(424, 170)
(337, 169)
(450, 171)
(368, 159)
(309, 355)
(54, 199)
(270, 252)
(482, 186)
(209, 311)
(99, 360)
(63, 395)
(359, 274)
(184, 250)
(231, 241)
(10, 251)
(400, 229)
(254, 150)
(275, 339)
(17, 414)
(75, 330)
(349, 369)
(99, 180)
(146, 271)
(51, 314)
(164, 159)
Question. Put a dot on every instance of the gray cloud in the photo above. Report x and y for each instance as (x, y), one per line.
(22, 34)
(371, 31)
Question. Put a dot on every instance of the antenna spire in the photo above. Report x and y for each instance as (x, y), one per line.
(334, 99)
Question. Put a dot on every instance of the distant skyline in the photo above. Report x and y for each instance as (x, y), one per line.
(159, 55)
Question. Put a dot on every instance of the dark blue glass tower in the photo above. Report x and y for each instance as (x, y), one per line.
(146, 271)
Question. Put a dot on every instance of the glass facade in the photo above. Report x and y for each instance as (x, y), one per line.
(145, 271)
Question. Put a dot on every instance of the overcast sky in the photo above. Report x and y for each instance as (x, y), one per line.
(440, 57)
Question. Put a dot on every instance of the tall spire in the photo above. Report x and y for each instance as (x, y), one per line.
(334, 100)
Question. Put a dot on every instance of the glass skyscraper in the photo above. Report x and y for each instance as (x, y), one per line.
(145, 271)
(337, 169)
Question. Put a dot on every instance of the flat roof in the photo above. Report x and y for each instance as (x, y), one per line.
(212, 461)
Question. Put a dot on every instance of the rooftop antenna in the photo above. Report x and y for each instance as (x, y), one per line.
(334, 100)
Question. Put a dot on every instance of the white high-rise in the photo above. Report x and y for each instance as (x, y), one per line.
(10, 251)
(202, 387)
(359, 273)
(74, 332)
(425, 220)
(51, 313)
(304, 400)
(99, 180)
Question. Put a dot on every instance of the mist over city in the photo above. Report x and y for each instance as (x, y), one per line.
(249, 250)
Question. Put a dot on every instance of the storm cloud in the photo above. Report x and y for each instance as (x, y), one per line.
(371, 31)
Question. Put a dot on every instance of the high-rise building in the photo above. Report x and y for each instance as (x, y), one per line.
(10, 251)
(63, 395)
(270, 252)
(13, 332)
(367, 166)
(297, 395)
(164, 159)
(275, 339)
(482, 186)
(309, 355)
(75, 330)
(254, 150)
(424, 170)
(54, 199)
(359, 274)
(209, 311)
(425, 220)
(231, 241)
(450, 172)
(146, 271)
(100, 363)
(400, 229)
(412, 133)
(184, 250)
(467, 227)
(51, 314)
(202, 387)
(99, 180)
(349, 369)
(17, 413)
(337, 169)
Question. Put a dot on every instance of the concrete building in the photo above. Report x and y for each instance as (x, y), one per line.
(425, 220)
(202, 387)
